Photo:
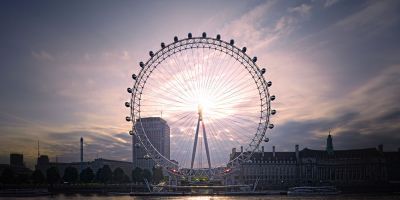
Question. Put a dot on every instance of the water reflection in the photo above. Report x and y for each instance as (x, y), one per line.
(272, 197)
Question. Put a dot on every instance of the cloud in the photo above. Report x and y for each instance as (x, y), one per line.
(366, 117)
(376, 16)
(259, 29)
(303, 9)
(42, 55)
(329, 3)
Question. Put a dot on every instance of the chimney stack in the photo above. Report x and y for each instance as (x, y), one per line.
(241, 149)
(81, 164)
(262, 150)
(273, 151)
(380, 148)
(297, 152)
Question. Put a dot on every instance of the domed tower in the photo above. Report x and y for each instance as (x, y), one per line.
(329, 144)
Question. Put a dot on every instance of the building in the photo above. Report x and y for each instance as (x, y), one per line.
(158, 132)
(354, 167)
(43, 164)
(17, 165)
(16, 160)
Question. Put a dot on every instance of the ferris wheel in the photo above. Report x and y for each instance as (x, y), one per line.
(213, 97)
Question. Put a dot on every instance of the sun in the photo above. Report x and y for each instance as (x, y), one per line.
(206, 103)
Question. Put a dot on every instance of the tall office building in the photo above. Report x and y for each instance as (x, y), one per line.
(158, 132)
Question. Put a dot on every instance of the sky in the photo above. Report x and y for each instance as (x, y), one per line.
(65, 67)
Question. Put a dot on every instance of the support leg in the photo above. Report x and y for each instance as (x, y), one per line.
(206, 145)
(195, 143)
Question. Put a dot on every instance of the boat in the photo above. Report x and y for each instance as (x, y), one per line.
(310, 190)
(24, 192)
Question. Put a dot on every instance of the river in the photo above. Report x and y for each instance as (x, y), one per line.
(269, 197)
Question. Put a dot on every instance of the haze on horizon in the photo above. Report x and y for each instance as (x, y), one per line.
(65, 67)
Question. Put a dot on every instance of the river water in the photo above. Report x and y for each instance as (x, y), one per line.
(269, 197)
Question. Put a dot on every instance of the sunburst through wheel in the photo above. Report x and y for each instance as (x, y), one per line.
(214, 98)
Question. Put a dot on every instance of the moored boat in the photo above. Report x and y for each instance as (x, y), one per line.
(310, 190)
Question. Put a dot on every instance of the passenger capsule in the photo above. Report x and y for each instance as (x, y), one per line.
(129, 90)
(254, 59)
(189, 35)
(162, 45)
(128, 119)
(134, 77)
(146, 157)
(266, 140)
(141, 64)
(269, 83)
(204, 35)
(244, 49)
(218, 37)
(272, 97)
(151, 53)
(273, 112)
(176, 39)
(232, 42)
(271, 126)
(137, 145)
(130, 132)
(127, 104)
(263, 71)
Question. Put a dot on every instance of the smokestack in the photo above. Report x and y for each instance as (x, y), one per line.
(81, 149)
(81, 164)
(380, 147)
(241, 149)
(273, 151)
(38, 149)
(262, 150)
(297, 152)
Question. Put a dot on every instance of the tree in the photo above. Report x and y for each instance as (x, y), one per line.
(107, 174)
(87, 175)
(137, 175)
(37, 177)
(98, 177)
(52, 175)
(118, 175)
(8, 176)
(147, 174)
(70, 175)
(21, 178)
(126, 179)
(157, 175)
(104, 174)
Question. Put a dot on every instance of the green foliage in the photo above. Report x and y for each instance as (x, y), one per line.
(52, 175)
(147, 174)
(104, 174)
(137, 175)
(126, 179)
(70, 175)
(8, 176)
(37, 177)
(22, 178)
(157, 175)
(87, 175)
(118, 175)
(98, 177)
